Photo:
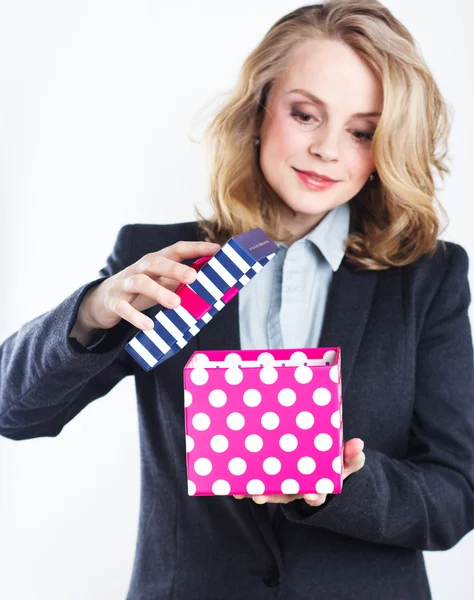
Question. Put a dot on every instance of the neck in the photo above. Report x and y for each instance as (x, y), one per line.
(298, 224)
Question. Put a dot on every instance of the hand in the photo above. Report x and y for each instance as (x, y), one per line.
(149, 281)
(354, 460)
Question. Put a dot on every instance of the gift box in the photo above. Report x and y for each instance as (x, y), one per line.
(263, 421)
(219, 278)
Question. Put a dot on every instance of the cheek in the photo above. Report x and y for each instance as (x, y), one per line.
(360, 163)
(282, 139)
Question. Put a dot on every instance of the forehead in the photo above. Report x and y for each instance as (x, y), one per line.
(334, 72)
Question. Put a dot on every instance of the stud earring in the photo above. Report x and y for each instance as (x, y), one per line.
(371, 178)
(257, 141)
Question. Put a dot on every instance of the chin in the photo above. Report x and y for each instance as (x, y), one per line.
(313, 206)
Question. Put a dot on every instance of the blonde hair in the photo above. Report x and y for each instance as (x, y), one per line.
(394, 216)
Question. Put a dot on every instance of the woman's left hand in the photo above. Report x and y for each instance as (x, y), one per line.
(354, 459)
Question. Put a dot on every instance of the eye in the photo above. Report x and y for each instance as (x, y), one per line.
(301, 115)
(362, 137)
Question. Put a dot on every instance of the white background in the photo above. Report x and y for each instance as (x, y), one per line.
(98, 101)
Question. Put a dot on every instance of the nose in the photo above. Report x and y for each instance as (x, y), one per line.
(324, 143)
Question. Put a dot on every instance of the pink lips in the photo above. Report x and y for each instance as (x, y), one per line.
(314, 174)
(314, 184)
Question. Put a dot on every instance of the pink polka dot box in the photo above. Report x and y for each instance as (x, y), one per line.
(263, 421)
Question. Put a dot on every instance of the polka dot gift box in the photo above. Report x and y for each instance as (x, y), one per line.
(219, 278)
(263, 421)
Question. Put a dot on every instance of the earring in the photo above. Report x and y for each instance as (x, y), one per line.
(257, 141)
(371, 178)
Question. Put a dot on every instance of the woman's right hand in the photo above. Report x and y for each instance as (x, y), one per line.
(149, 281)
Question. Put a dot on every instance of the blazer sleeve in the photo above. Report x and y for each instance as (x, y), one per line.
(426, 500)
(46, 378)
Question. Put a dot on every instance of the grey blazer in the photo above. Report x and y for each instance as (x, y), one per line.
(407, 373)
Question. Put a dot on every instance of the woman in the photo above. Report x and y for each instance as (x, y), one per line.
(328, 143)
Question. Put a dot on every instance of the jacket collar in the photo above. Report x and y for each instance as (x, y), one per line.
(330, 235)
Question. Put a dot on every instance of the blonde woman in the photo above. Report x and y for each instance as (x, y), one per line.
(330, 142)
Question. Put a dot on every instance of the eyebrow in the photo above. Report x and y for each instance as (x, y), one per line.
(317, 100)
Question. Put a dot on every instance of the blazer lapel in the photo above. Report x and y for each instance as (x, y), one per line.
(347, 311)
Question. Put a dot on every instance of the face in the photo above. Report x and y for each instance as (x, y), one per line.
(317, 128)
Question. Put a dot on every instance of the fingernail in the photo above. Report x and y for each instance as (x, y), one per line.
(312, 497)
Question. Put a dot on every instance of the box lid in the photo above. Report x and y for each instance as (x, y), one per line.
(216, 283)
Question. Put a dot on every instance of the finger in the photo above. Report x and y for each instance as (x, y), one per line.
(170, 284)
(124, 310)
(354, 464)
(275, 498)
(240, 497)
(140, 283)
(182, 250)
(315, 499)
(156, 265)
(353, 447)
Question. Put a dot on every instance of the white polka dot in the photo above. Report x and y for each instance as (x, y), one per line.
(203, 466)
(288, 442)
(305, 420)
(298, 358)
(221, 487)
(324, 486)
(330, 356)
(334, 373)
(290, 486)
(201, 360)
(252, 398)
(303, 374)
(237, 466)
(235, 421)
(323, 442)
(189, 443)
(286, 397)
(234, 375)
(233, 359)
(271, 465)
(191, 488)
(217, 398)
(322, 396)
(266, 359)
(306, 465)
(336, 419)
(219, 443)
(270, 420)
(268, 375)
(201, 421)
(337, 465)
(255, 487)
(253, 443)
(188, 398)
(199, 376)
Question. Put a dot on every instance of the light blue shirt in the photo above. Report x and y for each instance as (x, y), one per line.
(283, 306)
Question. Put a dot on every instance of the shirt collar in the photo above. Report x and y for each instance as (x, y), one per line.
(330, 235)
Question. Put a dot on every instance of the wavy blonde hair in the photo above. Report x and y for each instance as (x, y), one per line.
(394, 218)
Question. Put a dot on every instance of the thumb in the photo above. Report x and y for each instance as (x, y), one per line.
(352, 448)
